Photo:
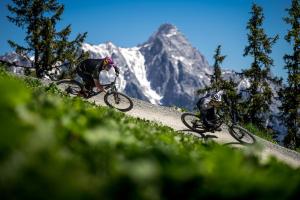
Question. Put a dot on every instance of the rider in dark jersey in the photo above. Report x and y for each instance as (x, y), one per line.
(207, 106)
(90, 69)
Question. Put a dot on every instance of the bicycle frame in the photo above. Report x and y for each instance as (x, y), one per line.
(111, 86)
(222, 118)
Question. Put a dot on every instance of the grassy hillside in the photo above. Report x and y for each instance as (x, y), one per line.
(265, 134)
(56, 147)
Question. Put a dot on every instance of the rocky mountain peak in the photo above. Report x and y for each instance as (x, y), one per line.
(168, 39)
(167, 33)
(166, 29)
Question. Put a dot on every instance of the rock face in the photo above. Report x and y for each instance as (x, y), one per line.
(174, 68)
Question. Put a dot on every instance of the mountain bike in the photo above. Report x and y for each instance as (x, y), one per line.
(112, 98)
(195, 123)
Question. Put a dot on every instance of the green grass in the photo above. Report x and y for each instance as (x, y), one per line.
(56, 147)
(265, 134)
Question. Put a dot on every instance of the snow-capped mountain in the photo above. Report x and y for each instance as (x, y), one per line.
(20, 62)
(164, 70)
(16, 59)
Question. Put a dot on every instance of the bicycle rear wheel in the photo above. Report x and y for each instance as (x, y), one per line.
(118, 101)
(69, 86)
(192, 121)
(242, 135)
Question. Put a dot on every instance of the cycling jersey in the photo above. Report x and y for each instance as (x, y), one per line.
(203, 102)
(207, 110)
(90, 69)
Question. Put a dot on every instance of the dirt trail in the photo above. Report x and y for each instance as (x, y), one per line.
(171, 117)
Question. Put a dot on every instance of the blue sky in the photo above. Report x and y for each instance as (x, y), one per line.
(205, 23)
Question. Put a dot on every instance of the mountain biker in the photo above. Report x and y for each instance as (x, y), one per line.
(90, 69)
(207, 106)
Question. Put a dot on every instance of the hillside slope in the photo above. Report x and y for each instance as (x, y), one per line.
(170, 117)
(56, 147)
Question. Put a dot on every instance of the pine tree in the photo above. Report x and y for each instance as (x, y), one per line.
(39, 19)
(259, 47)
(216, 78)
(230, 96)
(290, 95)
(57, 48)
(47, 40)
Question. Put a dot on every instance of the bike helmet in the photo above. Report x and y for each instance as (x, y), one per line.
(107, 61)
(217, 97)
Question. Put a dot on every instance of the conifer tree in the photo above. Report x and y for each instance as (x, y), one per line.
(39, 19)
(231, 103)
(230, 96)
(290, 95)
(259, 47)
(216, 78)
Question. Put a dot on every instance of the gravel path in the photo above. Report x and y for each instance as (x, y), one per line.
(171, 117)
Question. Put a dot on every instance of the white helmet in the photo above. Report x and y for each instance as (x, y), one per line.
(217, 96)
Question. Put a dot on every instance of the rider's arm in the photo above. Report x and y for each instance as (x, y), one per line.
(206, 104)
(97, 84)
(116, 70)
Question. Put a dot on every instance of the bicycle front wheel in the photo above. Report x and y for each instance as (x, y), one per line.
(192, 121)
(242, 135)
(71, 87)
(118, 101)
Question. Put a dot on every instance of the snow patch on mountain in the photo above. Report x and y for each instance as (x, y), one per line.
(172, 33)
(183, 60)
(136, 63)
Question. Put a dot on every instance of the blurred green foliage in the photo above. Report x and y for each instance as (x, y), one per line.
(56, 147)
(263, 133)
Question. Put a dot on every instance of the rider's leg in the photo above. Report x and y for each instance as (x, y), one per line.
(204, 116)
(211, 119)
(214, 119)
(87, 83)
